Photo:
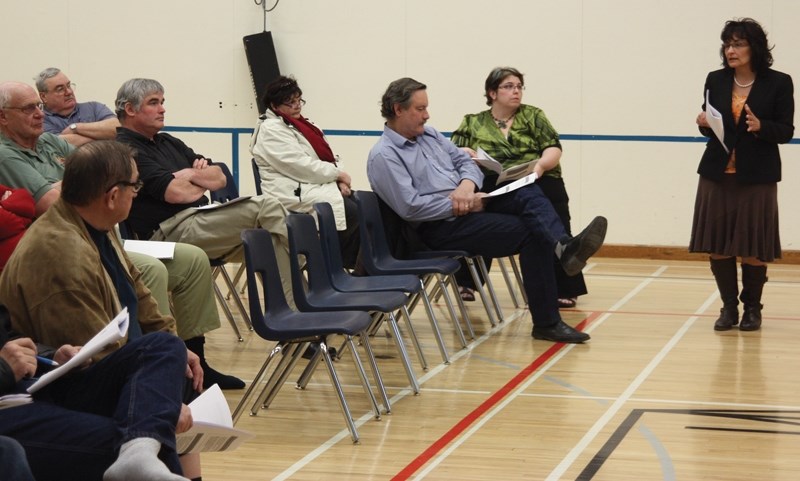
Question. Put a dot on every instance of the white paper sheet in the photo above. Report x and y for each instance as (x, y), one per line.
(113, 332)
(714, 119)
(212, 428)
(157, 249)
(528, 179)
(485, 160)
(12, 400)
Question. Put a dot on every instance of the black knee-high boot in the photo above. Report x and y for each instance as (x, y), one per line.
(210, 375)
(753, 280)
(724, 271)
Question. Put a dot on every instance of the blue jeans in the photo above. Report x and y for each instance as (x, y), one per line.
(13, 462)
(75, 426)
(535, 210)
(521, 222)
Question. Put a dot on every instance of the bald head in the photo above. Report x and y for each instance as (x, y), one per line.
(10, 90)
(21, 116)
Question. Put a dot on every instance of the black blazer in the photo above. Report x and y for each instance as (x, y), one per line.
(757, 158)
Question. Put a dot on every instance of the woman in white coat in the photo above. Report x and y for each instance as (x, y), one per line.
(297, 165)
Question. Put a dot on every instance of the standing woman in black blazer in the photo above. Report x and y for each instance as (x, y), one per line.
(736, 210)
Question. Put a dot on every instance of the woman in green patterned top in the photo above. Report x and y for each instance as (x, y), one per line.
(514, 133)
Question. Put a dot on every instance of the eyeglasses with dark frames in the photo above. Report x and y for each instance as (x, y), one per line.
(295, 103)
(135, 186)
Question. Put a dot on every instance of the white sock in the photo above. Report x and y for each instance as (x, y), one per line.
(138, 461)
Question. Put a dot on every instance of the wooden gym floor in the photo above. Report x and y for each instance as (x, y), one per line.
(656, 394)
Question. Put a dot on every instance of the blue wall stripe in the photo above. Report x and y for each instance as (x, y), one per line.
(235, 132)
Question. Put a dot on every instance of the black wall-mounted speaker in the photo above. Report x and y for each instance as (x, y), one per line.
(263, 62)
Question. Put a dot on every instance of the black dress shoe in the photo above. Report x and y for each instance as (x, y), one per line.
(559, 332)
(583, 246)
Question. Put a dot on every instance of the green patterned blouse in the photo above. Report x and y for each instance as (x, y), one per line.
(528, 136)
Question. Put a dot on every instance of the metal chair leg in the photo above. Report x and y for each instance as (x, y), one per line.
(490, 287)
(236, 298)
(363, 377)
(339, 392)
(278, 378)
(308, 371)
(437, 333)
(449, 303)
(511, 289)
(413, 334)
(236, 278)
(240, 407)
(404, 359)
(515, 268)
(481, 292)
(387, 405)
(461, 307)
(227, 310)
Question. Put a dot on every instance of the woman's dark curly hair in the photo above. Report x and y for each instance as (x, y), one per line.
(751, 31)
(280, 91)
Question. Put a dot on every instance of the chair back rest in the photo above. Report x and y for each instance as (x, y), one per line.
(403, 239)
(304, 240)
(259, 255)
(329, 238)
(230, 191)
(256, 176)
(374, 245)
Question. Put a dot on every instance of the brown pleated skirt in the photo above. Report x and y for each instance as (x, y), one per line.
(733, 219)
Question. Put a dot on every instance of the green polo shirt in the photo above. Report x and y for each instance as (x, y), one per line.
(35, 170)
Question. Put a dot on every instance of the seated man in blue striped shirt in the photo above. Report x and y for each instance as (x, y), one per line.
(433, 184)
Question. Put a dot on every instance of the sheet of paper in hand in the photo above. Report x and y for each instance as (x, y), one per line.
(512, 173)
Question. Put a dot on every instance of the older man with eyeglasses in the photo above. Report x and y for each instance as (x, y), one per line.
(29, 158)
(34, 160)
(75, 122)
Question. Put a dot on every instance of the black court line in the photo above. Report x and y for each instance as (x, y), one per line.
(765, 416)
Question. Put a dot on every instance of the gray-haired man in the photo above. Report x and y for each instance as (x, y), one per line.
(176, 180)
(75, 122)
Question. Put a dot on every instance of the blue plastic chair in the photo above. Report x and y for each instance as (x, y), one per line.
(344, 281)
(340, 278)
(293, 330)
(321, 296)
(378, 260)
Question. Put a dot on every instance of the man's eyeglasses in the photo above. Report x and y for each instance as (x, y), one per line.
(62, 89)
(295, 103)
(135, 186)
(519, 87)
(28, 109)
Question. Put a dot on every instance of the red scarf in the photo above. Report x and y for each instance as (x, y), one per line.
(313, 135)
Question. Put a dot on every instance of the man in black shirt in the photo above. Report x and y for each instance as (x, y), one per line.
(176, 180)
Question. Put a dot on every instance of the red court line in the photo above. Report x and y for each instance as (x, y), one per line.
(485, 406)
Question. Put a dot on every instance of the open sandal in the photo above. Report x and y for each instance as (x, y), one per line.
(467, 294)
(567, 303)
